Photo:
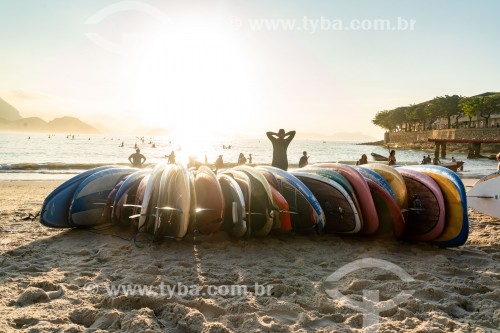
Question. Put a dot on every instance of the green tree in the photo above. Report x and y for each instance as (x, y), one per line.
(490, 105)
(398, 117)
(470, 107)
(447, 107)
(382, 120)
(416, 115)
(431, 110)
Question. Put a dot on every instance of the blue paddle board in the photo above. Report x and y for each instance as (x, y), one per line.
(90, 196)
(55, 207)
(456, 229)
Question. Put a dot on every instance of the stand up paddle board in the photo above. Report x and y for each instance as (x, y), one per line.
(210, 201)
(264, 211)
(362, 191)
(485, 197)
(90, 197)
(234, 206)
(309, 214)
(425, 215)
(394, 180)
(391, 222)
(340, 211)
(456, 230)
(55, 207)
(125, 198)
(147, 204)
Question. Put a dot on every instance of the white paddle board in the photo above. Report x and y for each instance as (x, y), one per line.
(485, 197)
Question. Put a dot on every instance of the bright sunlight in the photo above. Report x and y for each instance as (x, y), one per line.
(191, 78)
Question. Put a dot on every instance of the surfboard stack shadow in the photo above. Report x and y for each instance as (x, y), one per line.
(423, 203)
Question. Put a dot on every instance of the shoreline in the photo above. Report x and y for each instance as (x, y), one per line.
(17, 176)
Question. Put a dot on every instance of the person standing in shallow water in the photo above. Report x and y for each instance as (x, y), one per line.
(242, 159)
(219, 163)
(171, 158)
(280, 142)
(362, 160)
(392, 157)
(304, 160)
(137, 159)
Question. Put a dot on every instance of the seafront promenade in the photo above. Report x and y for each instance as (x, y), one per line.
(420, 139)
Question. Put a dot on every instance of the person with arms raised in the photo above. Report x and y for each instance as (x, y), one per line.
(280, 142)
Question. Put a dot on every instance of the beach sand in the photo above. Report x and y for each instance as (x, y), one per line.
(48, 279)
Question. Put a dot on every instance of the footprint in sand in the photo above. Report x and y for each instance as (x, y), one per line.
(52, 290)
(31, 296)
(21, 323)
(84, 316)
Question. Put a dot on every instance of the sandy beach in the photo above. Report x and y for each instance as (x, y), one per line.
(59, 280)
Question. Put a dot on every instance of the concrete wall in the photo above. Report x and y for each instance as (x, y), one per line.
(460, 133)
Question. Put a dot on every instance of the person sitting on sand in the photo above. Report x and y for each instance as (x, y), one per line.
(280, 142)
(242, 159)
(304, 160)
(362, 160)
(453, 159)
(392, 157)
(137, 159)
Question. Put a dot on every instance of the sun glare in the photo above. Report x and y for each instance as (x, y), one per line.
(192, 79)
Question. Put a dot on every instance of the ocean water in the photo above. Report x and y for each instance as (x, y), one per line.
(26, 156)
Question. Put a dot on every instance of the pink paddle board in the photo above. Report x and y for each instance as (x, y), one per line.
(362, 192)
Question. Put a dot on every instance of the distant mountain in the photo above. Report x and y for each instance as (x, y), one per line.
(11, 120)
(8, 112)
(58, 125)
(70, 125)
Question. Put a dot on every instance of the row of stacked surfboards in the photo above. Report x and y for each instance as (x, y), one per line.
(418, 203)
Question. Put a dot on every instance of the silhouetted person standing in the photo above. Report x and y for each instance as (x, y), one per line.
(219, 163)
(137, 159)
(171, 158)
(362, 160)
(392, 157)
(280, 142)
(242, 159)
(304, 160)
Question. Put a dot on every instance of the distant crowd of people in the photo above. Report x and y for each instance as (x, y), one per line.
(280, 141)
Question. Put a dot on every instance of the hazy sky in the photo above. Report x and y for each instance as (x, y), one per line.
(242, 66)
